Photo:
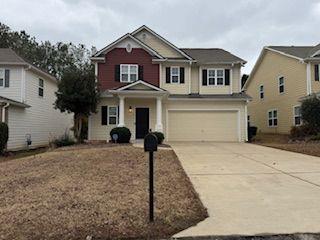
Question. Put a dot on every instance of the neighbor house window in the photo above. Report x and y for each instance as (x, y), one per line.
(1, 77)
(112, 115)
(297, 115)
(273, 118)
(215, 77)
(281, 84)
(261, 92)
(41, 87)
(128, 73)
(175, 74)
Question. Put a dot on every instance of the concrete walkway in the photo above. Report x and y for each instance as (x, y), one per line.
(250, 189)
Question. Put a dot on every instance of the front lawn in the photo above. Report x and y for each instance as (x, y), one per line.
(283, 142)
(99, 192)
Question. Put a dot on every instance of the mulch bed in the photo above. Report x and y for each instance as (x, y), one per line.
(283, 142)
(98, 192)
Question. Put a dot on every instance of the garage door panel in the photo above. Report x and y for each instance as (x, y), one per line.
(203, 126)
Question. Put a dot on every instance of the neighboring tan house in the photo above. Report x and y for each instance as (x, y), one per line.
(27, 95)
(148, 84)
(281, 77)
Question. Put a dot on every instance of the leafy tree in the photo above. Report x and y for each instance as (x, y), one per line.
(53, 58)
(244, 78)
(310, 112)
(78, 93)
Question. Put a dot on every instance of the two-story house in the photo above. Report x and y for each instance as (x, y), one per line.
(189, 94)
(280, 79)
(27, 95)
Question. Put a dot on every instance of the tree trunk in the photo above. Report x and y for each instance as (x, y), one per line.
(78, 126)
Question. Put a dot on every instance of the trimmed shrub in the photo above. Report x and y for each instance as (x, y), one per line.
(300, 132)
(64, 140)
(315, 137)
(252, 131)
(123, 133)
(4, 136)
(310, 112)
(160, 136)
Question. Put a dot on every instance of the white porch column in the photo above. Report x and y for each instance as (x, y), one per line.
(121, 111)
(159, 126)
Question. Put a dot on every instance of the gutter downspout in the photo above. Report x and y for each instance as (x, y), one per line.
(4, 112)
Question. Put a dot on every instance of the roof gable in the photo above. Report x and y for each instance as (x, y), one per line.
(160, 44)
(140, 85)
(120, 40)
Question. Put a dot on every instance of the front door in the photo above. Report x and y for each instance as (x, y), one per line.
(142, 122)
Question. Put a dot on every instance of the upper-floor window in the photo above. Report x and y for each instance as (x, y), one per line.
(4, 77)
(281, 84)
(1, 77)
(41, 87)
(215, 77)
(128, 73)
(297, 115)
(261, 92)
(272, 118)
(175, 74)
(317, 72)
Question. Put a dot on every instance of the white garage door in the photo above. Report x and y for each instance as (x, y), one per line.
(203, 125)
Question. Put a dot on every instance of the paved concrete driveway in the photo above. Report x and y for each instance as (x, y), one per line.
(250, 189)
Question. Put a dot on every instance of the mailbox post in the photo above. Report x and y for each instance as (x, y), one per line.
(151, 145)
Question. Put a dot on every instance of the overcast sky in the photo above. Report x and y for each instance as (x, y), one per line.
(242, 27)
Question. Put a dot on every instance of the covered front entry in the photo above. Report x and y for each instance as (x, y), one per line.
(142, 122)
(203, 125)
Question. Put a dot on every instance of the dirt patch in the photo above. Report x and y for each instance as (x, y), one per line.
(282, 142)
(99, 192)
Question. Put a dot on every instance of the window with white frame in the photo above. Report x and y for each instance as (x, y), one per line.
(175, 74)
(41, 88)
(297, 115)
(128, 73)
(272, 118)
(2, 74)
(261, 92)
(112, 115)
(281, 84)
(215, 77)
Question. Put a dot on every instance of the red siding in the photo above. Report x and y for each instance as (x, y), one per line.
(117, 56)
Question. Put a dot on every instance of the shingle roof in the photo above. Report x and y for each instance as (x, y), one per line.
(212, 55)
(7, 55)
(297, 51)
(235, 96)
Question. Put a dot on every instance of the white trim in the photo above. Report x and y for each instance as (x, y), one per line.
(206, 110)
(279, 85)
(138, 82)
(23, 85)
(316, 53)
(177, 75)
(231, 80)
(129, 72)
(240, 80)
(97, 59)
(190, 78)
(4, 111)
(309, 85)
(200, 79)
(160, 75)
(272, 118)
(3, 77)
(246, 120)
(128, 35)
(207, 99)
(294, 116)
(161, 38)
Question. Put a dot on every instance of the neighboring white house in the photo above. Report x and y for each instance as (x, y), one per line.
(27, 95)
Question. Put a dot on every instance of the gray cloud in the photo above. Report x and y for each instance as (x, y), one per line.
(242, 27)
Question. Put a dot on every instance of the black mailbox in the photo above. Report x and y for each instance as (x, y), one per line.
(150, 143)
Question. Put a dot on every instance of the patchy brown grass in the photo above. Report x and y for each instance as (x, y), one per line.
(101, 192)
(282, 142)
(22, 154)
